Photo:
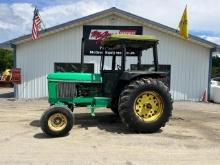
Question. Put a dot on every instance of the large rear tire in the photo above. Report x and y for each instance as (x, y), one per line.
(57, 121)
(145, 105)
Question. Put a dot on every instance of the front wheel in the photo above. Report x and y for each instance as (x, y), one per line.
(145, 105)
(57, 121)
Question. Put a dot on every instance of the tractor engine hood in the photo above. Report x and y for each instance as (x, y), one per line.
(74, 76)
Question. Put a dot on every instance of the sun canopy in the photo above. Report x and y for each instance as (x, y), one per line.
(115, 37)
(131, 41)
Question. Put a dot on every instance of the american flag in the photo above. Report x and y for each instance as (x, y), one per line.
(36, 24)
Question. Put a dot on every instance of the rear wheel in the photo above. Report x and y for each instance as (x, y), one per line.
(145, 105)
(57, 121)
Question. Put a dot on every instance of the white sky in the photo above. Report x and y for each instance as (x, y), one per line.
(16, 15)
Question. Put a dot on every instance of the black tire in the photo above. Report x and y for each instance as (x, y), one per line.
(127, 101)
(70, 106)
(114, 106)
(52, 111)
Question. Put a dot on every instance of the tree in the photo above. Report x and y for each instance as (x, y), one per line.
(215, 66)
(6, 59)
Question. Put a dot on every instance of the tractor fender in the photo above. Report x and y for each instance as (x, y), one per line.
(129, 76)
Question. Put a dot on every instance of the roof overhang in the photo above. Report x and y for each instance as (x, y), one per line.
(106, 13)
(216, 49)
(7, 45)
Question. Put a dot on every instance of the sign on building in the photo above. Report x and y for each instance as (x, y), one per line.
(16, 75)
(94, 34)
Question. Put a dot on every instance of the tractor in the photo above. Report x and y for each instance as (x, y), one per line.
(139, 97)
(6, 78)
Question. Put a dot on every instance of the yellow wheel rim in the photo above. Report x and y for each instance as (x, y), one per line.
(148, 106)
(57, 122)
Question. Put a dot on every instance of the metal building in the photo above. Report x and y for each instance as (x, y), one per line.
(190, 60)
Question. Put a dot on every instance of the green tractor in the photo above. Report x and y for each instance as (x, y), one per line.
(138, 97)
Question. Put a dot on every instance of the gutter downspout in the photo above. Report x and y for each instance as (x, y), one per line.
(13, 46)
(210, 71)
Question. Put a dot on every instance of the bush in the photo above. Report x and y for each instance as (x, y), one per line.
(6, 60)
(215, 71)
(215, 66)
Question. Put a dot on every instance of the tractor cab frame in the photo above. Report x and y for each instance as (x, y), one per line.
(116, 77)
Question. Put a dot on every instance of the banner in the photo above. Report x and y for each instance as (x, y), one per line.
(93, 34)
(183, 25)
(16, 75)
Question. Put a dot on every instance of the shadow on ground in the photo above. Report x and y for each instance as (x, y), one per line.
(7, 95)
(35, 123)
(103, 121)
(44, 136)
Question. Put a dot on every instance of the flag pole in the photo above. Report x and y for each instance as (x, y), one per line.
(42, 22)
(44, 27)
(177, 28)
(36, 26)
(183, 24)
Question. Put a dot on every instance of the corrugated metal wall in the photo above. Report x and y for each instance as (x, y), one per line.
(189, 62)
(37, 58)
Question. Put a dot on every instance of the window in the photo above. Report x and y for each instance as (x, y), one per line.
(73, 67)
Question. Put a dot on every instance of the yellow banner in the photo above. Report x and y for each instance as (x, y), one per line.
(183, 24)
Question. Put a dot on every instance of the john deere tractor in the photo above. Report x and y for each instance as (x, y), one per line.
(138, 97)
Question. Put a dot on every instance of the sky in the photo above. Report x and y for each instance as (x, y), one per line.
(16, 15)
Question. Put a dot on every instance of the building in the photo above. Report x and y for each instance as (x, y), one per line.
(189, 60)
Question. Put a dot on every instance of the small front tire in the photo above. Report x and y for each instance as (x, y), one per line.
(57, 121)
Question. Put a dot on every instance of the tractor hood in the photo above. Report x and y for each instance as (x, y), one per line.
(73, 76)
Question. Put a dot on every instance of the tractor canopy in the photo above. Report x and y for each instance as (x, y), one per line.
(130, 41)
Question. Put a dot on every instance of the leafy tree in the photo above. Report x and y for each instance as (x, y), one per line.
(6, 59)
(215, 66)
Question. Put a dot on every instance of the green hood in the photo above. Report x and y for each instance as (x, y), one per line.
(73, 76)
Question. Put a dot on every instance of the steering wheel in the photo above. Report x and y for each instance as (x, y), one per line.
(118, 67)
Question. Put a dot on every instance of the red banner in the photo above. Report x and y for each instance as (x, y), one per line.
(16, 75)
(93, 34)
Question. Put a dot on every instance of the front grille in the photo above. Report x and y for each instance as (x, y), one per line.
(66, 90)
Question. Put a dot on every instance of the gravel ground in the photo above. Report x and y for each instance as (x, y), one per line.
(192, 136)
